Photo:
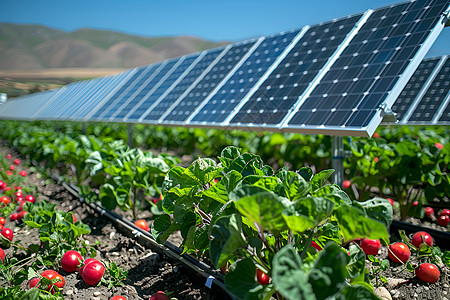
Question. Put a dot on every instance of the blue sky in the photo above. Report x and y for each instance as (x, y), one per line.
(230, 20)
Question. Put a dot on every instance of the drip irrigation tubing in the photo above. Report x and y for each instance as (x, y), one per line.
(441, 238)
(214, 279)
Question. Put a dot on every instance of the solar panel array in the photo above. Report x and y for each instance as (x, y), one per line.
(425, 98)
(330, 78)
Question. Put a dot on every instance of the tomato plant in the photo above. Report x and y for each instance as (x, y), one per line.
(252, 213)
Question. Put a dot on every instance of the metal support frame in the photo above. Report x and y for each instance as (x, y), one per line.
(130, 135)
(338, 159)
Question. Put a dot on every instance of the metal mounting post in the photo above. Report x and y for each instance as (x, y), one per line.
(130, 135)
(338, 159)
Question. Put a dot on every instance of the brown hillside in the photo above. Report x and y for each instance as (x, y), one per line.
(73, 53)
(132, 55)
(39, 47)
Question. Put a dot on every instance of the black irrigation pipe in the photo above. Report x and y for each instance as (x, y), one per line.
(214, 279)
(442, 238)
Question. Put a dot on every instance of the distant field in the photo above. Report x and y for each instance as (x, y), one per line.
(21, 82)
(58, 73)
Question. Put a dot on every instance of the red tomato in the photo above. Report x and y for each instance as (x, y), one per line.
(12, 167)
(4, 200)
(159, 295)
(421, 237)
(2, 221)
(391, 201)
(400, 250)
(445, 212)
(315, 245)
(2, 254)
(370, 247)
(428, 273)
(71, 260)
(23, 173)
(444, 220)
(92, 272)
(14, 217)
(262, 277)
(8, 156)
(117, 297)
(439, 146)
(7, 233)
(17, 162)
(346, 184)
(51, 274)
(142, 224)
(29, 198)
(33, 282)
(429, 212)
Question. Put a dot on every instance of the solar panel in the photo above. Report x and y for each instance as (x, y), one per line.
(93, 97)
(276, 96)
(164, 86)
(338, 77)
(370, 68)
(414, 87)
(434, 96)
(61, 95)
(185, 106)
(227, 98)
(139, 79)
(28, 105)
(152, 113)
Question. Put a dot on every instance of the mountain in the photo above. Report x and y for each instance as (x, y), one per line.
(40, 47)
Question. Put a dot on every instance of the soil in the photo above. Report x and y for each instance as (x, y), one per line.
(149, 272)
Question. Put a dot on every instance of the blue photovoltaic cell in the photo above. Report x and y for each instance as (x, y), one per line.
(413, 87)
(445, 118)
(359, 81)
(432, 99)
(208, 83)
(109, 108)
(94, 97)
(280, 91)
(68, 95)
(148, 99)
(29, 104)
(156, 112)
(217, 109)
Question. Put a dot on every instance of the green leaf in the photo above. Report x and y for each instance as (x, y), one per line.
(32, 224)
(329, 274)
(231, 180)
(320, 179)
(264, 208)
(289, 277)
(358, 292)
(307, 213)
(379, 209)
(333, 192)
(293, 185)
(162, 228)
(357, 264)
(241, 278)
(227, 237)
(355, 224)
(32, 294)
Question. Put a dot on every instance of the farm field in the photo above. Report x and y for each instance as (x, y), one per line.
(269, 207)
